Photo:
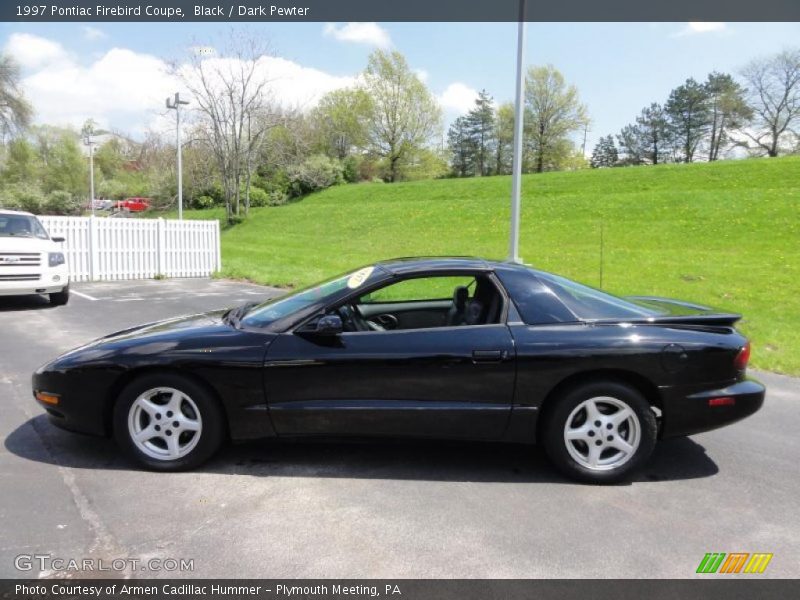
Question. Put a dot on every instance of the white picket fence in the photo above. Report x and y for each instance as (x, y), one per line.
(99, 248)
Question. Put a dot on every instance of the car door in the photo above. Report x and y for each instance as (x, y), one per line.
(450, 382)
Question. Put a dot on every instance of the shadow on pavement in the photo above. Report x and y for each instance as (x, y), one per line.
(29, 302)
(39, 441)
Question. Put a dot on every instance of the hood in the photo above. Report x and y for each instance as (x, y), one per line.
(178, 326)
(159, 336)
(27, 244)
(669, 310)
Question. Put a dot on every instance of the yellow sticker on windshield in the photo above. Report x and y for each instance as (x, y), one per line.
(359, 277)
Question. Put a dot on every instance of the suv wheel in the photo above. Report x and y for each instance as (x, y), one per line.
(60, 298)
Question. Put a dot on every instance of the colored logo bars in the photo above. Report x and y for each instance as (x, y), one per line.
(736, 562)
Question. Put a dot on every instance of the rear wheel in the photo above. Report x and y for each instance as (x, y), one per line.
(60, 298)
(600, 432)
(167, 422)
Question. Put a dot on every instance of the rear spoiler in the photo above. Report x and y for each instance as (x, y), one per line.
(683, 313)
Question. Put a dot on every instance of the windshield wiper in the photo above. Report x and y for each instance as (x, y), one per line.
(234, 315)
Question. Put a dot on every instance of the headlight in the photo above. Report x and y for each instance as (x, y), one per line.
(56, 258)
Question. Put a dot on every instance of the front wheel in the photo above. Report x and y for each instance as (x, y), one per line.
(60, 298)
(167, 422)
(600, 432)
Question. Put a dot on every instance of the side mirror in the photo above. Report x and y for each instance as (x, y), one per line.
(58, 239)
(329, 325)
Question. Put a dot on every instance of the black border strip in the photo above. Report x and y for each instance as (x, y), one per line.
(403, 10)
(711, 587)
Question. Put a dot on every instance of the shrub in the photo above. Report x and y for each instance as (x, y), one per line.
(351, 169)
(258, 197)
(60, 202)
(316, 173)
(203, 202)
(22, 196)
(277, 198)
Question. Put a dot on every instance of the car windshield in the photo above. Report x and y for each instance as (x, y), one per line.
(590, 303)
(21, 226)
(273, 310)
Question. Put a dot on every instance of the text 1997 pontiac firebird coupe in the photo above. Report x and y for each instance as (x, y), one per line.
(455, 348)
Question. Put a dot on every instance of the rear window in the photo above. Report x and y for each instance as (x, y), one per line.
(590, 303)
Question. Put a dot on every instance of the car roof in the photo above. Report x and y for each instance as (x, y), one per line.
(424, 264)
(5, 211)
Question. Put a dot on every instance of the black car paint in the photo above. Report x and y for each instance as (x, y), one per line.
(487, 382)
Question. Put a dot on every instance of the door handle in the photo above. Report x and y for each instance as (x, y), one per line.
(489, 355)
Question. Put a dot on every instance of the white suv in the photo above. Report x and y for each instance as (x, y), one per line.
(31, 262)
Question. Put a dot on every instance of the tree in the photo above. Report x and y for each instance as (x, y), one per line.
(605, 153)
(15, 112)
(406, 115)
(341, 121)
(631, 142)
(774, 95)
(461, 148)
(480, 129)
(653, 127)
(231, 92)
(689, 116)
(63, 165)
(503, 138)
(21, 162)
(729, 110)
(553, 113)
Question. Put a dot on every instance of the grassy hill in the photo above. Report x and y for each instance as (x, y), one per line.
(726, 234)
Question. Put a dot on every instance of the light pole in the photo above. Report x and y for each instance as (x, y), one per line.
(175, 105)
(516, 169)
(87, 140)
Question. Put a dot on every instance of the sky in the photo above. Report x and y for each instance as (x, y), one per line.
(116, 73)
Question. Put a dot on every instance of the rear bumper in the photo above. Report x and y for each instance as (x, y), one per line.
(687, 410)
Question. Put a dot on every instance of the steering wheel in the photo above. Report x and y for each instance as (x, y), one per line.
(352, 319)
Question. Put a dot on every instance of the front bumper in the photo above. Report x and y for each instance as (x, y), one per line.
(21, 281)
(80, 407)
(687, 410)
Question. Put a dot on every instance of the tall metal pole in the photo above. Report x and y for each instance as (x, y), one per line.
(91, 175)
(90, 144)
(176, 105)
(516, 170)
(180, 163)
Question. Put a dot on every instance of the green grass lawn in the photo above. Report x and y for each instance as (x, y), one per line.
(725, 233)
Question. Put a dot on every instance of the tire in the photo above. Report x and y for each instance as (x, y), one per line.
(627, 432)
(179, 423)
(60, 298)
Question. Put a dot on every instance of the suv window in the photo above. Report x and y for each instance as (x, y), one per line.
(21, 226)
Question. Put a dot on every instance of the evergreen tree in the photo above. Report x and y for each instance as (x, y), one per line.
(689, 117)
(729, 110)
(630, 140)
(605, 153)
(653, 127)
(461, 147)
(480, 128)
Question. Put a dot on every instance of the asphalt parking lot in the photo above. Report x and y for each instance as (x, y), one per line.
(383, 510)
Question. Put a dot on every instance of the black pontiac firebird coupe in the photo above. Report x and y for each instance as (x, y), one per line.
(441, 347)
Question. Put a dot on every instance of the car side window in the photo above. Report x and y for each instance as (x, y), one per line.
(426, 303)
(423, 289)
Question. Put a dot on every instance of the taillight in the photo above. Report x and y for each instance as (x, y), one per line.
(742, 358)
